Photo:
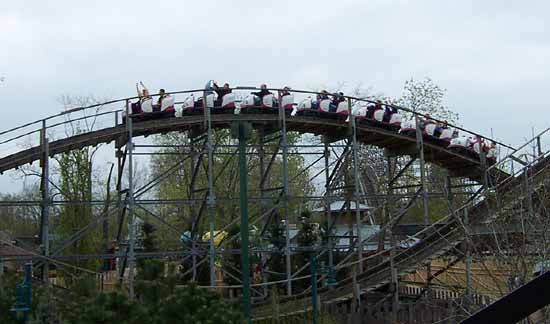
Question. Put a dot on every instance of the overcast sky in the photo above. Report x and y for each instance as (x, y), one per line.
(492, 56)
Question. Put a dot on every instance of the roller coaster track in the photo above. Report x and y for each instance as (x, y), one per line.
(435, 240)
(438, 239)
(459, 164)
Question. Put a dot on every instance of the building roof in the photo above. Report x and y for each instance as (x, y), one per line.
(337, 206)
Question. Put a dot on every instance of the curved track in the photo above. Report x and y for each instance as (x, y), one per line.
(433, 243)
(458, 164)
(438, 239)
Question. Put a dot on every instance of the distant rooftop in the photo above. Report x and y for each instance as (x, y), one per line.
(337, 205)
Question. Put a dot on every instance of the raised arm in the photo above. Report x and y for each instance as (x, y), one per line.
(138, 91)
(143, 86)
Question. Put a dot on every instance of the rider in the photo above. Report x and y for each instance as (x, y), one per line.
(263, 91)
(285, 91)
(221, 92)
(162, 96)
(372, 108)
(388, 111)
(337, 98)
(324, 95)
(143, 95)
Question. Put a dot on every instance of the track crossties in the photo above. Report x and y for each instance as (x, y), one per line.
(395, 143)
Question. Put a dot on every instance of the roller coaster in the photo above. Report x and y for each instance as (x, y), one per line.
(339, 131)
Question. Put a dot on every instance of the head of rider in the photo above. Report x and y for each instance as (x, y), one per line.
(225, 90)
(162, 95)
(145, 95)
(286, 91)
(263, 91)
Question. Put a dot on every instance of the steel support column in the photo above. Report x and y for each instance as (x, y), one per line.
(194, 164)
(261, 185)
(45, 217)
(130, 205)
(211, 199)
(243, 195)
(393, 242)
(284, 145)
(328, 212)
(420, 148)
(357, 187)
(468, 257)
(313, 273)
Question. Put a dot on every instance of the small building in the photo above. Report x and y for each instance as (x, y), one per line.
(339, 212)
(9, 251)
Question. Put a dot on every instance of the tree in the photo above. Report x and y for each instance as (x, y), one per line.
(73, 169)
(426, 97)
(75, 186)
(308, 239)
(195, 305)
(21, 220)
(226, 186)
(113, 307)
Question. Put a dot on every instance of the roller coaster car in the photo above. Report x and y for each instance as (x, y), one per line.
(461, 144)
(438, 135)
(307, 107)
(489, 149)
(145, 110)
(195, 107)
(167, 108)
(287, 101)
(492, 155)
(430, 128)
(253, 105)
(225, 104)
(375, 115)
(188, 107)
(147, 105)
(228, 101)
(408, 128)
(330, 110)
(447, 134)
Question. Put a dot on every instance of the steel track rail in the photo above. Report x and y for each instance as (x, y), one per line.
(367, 134)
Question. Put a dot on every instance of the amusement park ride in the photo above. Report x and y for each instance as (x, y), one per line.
(498, 177)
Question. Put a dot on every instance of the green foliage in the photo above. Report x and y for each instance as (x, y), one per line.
(149, 239)
(233, 260)
(427, 97)
(159, 301)
(276, 261)
(21, 220)
(226, 179)
(309, 234)
(7, 297)
(194, 305)
(75, 185)
(113, 307)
